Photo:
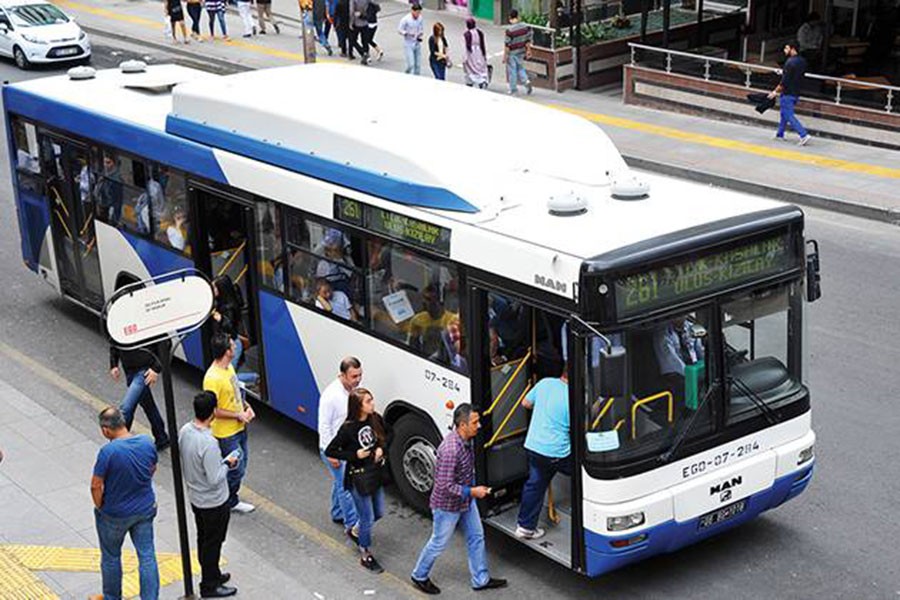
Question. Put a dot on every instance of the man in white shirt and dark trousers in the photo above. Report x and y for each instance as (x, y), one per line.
(332, 414)
(205, 475)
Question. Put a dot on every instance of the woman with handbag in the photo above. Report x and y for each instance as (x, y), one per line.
(363, 441)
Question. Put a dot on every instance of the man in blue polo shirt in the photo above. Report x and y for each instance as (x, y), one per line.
(125, 503)
(547, 446)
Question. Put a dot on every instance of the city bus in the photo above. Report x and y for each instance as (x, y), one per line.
(464, 245)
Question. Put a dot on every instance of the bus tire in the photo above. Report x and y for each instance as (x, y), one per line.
(412, 457)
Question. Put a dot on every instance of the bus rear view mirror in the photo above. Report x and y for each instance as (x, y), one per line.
(613, 373)
(813, 277)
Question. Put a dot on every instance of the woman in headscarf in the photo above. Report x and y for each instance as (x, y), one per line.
(475, 66)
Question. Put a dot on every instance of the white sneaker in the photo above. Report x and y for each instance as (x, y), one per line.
(777, 138)
(804, 140)
(528, 534)
(243, 508)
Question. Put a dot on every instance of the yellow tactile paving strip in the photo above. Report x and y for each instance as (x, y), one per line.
(17, 582)
(19, 562)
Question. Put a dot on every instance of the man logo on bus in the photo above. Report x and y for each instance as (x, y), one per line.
(550, 283)
(724, 489)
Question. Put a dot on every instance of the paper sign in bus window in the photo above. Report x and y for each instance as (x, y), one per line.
(398, 306)
(603, 441)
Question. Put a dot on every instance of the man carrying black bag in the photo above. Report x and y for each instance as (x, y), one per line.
(363, 441)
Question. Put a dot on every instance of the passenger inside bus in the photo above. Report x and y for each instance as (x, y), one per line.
(427, 325)
(333, 301)
(675, 346)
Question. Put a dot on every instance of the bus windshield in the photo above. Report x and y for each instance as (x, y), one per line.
(668, 376)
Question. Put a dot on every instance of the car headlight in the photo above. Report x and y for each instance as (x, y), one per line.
(625, 522)
(81, 35)
(32, 39)
(806, 455)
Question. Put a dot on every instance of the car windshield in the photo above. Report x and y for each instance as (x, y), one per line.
(667, 375)
(35, 15)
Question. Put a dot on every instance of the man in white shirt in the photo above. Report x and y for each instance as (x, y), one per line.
(412, 29)
(332, 413)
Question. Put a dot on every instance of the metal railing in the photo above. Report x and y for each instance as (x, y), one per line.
(749, 69)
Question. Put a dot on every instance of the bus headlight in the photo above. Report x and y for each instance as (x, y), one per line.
(625, 522)
(806, 455)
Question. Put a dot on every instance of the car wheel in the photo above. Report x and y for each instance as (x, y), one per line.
(21, 59)
(412, 458)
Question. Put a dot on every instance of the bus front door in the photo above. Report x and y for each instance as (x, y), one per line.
(522, 344)
(69, 189)
(226, 222)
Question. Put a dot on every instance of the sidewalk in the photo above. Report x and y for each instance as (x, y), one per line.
(835, 175)
(47, 537)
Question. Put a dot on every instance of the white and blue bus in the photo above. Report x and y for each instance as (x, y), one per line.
(464, 245)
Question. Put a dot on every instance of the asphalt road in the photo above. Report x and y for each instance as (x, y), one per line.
(838, 540)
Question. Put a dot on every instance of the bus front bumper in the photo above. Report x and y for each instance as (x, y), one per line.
(607, 553)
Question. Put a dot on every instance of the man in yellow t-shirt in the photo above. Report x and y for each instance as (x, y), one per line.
(425, 327)
(231, 415)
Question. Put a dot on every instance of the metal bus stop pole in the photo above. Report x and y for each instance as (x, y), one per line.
(166, 359)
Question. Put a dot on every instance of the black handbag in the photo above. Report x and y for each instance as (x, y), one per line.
(366, 479)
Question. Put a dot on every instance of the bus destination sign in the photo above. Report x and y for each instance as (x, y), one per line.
(648, 290)
(402, 228)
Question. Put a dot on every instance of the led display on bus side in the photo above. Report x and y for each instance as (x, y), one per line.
(402, 228)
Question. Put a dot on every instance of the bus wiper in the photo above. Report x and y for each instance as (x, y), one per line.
(764, 408)
(666, 456)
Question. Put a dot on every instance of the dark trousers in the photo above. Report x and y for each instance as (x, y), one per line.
(438, 68)
(212, 526)
(341, 29)
(195, 10)
(355, 44)
(541, 470)
(368, 38)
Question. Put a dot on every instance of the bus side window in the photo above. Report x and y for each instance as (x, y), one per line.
(321, 268)
(415, 300)
(27, 156)
(120, 192)
(270, 251)
(168, 193)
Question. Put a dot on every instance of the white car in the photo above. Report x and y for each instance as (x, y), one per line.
(33, 31)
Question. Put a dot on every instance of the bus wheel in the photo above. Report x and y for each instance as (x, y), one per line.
(413, 456)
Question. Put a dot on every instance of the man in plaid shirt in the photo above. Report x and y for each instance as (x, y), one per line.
(453, 502)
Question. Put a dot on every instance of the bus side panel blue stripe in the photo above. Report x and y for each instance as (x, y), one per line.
(159, 261)
(148, 143)
(34, 218)
(383, 186)
(289, 377)
(673, 535)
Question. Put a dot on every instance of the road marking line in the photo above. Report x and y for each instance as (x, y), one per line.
(264, 504)
(157, 25)
(735, 145)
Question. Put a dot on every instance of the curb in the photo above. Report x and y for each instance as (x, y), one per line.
(854, 209)
(222, 65)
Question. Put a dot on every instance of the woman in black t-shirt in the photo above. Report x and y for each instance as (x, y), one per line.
(175, 12)
(362, 441)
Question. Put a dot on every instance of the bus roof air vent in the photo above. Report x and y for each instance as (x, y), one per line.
(628, 185)
(568, 204)
(133, 66)
(81, 73)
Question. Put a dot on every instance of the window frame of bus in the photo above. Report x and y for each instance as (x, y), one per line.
(366, 238)
(100, 150)
(602, 308)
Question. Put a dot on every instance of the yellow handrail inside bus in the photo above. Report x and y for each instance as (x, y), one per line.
(602, 412)
(240, 276)
(86, 224)
(508, 383)
(233, 257)
(63, 221)
(647, 400)
(506, 419)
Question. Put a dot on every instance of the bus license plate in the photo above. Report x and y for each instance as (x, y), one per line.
(722, 514)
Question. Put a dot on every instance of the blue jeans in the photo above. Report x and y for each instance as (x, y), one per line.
(139, 393)
(413, 54)
(438, 68)
(541, 470)
(235, 475)
(217, 15)
(323, 28)
(111, 535)
(442, 530)
(370, 509)
(246, 376)
(515, 71)
(789, 118)
(341, 500)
